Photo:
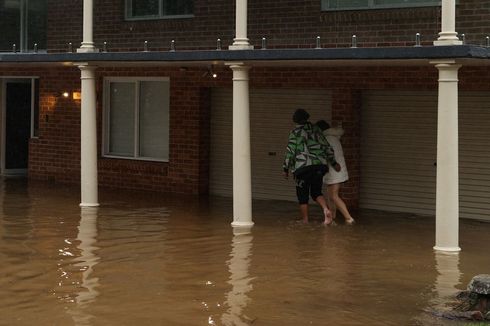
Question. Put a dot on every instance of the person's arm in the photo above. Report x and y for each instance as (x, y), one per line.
(290, 156)
(329, 152)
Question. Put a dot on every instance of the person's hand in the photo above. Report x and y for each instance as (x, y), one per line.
(337, 167)
(285, 174)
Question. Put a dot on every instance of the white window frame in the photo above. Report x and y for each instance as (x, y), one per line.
(372, 5)
(129, 15)
(106, 117)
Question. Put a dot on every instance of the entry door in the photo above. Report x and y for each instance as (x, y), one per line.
(17, 126)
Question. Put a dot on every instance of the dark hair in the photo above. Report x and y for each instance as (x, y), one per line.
(322, 124)
(300, 116)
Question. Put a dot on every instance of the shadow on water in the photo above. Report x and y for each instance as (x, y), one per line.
(158, 259)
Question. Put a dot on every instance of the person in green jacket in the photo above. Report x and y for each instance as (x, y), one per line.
(307, 157)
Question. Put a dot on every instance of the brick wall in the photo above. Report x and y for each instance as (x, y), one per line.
(55, 155)
(285, 24)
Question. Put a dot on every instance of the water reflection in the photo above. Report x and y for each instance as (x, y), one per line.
(238, 266)
(447, 266)
(87, 237)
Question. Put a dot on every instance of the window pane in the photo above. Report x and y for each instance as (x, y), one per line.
(36, 24)
(177, 7)
(153, 115)
(403, 2)
(142, 8)
(338, 4)
(9, 24)
(121, 120)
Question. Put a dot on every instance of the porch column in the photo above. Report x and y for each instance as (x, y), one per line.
(88, 30)
(240, 42)
(447, 191)
(448, 35)
(242, 178)
(88, 158)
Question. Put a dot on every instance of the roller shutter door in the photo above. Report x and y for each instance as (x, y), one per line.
(474, 155)
(398, 152)
(270, 114)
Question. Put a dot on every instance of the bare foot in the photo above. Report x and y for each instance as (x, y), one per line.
(328, 216)
(350, 221)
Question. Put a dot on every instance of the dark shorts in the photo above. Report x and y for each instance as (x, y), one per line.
(309, 182)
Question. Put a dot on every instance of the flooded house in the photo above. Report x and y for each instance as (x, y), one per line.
(196, 97)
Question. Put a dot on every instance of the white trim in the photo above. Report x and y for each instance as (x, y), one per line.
(139, 158)
(106, 117)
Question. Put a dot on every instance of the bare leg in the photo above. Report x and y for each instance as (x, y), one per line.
(303, 208)
(333, 191)
(326, 212)
(333, 207)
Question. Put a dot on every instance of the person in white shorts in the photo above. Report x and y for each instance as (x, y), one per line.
(334, 179)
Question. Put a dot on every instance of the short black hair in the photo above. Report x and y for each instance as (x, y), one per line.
(300, 116)
(322, 124)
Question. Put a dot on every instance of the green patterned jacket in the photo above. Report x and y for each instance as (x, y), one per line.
(307, 146)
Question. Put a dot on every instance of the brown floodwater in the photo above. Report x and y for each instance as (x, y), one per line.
(153, 259)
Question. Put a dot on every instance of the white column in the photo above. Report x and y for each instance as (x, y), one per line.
(88, 28)
(448, 35)
(447, 191)
(242, 178)
(240, 42)
(88, 162)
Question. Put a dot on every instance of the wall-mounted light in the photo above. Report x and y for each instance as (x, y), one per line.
(65, 94)
(210, 73)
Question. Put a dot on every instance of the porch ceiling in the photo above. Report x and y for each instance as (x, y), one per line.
(394, 56)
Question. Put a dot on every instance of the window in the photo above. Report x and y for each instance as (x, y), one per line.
(136, 118)
(375, 4)
(150, 9)
(23, 23)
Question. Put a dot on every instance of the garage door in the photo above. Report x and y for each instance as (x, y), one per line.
(398, 153)
(270, 114)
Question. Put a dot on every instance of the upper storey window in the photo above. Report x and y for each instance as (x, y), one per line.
(154, 9)
(375, 4)
(23, 23)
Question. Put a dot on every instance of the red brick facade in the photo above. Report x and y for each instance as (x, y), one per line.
(285, 24)
(55, 155)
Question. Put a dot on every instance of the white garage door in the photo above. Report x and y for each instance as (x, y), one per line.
(398, 152)
(271, 111)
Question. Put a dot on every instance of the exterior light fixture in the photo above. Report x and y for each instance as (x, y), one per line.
(76, 95)
(264, 43)
(218, 44)
(14, 48)
(172, 46)
(70, 48)
(104, 47)
(210, 73)
(145, 46)
(65, 94)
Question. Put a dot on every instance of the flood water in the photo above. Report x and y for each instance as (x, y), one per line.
(153, 259)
